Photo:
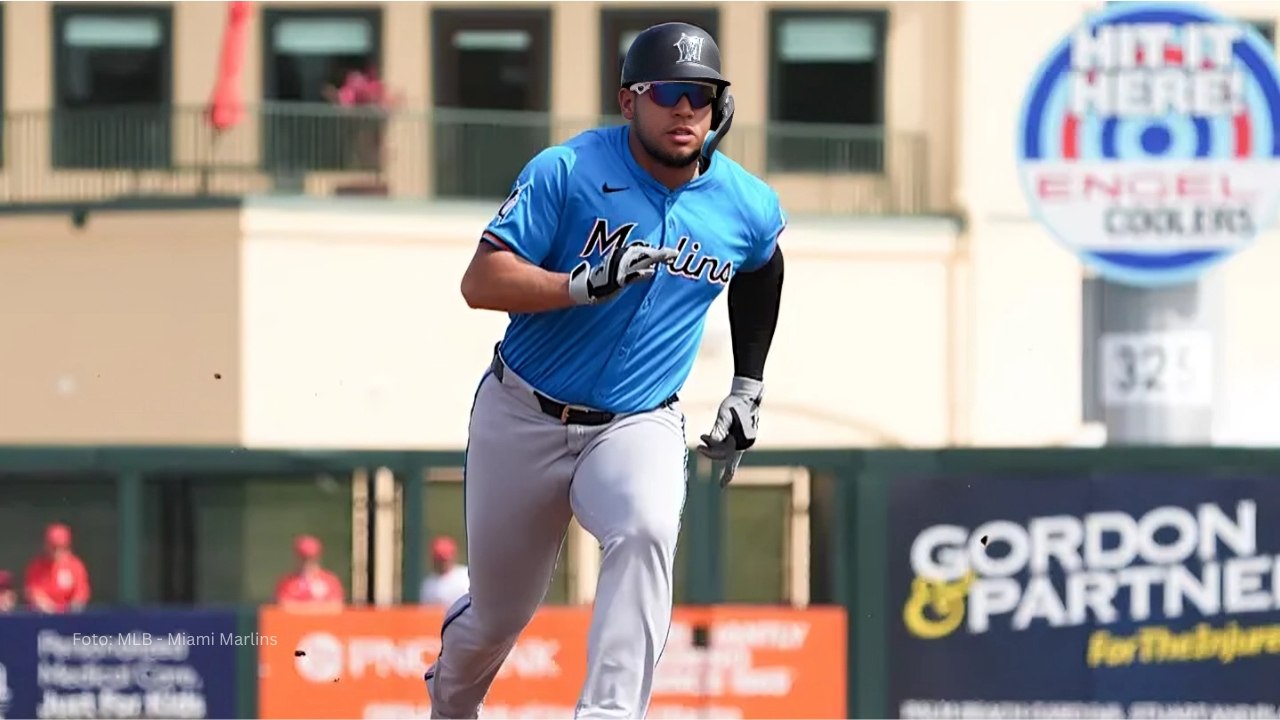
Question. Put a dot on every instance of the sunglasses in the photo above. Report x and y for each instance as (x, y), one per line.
(668, 94)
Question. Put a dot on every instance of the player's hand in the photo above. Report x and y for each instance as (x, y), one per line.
(620, 267)
(735, 428)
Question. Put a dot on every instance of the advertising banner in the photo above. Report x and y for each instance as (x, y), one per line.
(1139, 596)
(140, 664)
(763, 662)
(1147, 143)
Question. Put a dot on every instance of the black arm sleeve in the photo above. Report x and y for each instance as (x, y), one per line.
(754, 298)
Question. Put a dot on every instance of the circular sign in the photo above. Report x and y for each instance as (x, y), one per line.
(1150, 141)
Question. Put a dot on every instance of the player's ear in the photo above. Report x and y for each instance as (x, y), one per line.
(627, 103)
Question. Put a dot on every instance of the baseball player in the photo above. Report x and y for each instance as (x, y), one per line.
(607, 255)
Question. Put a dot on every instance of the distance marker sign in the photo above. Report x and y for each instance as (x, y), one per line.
(1149, 143)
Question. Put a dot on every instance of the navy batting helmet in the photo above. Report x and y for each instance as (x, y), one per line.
(680, 51)
(673, 51)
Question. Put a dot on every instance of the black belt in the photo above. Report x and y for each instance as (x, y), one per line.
(570, 414)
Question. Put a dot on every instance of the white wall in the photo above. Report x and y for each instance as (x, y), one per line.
(1248, 409)
(355, 335)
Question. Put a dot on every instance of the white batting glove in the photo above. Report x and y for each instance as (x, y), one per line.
(620, 267)
(735, 428)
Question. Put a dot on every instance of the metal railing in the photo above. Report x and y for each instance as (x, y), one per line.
(70, 155)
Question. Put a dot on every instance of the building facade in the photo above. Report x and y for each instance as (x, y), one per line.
(833, 101)
(888, 129)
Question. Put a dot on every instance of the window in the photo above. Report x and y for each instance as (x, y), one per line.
(113, 69)
(307, 56)
(827, 69)
(618, 28)
(492, 76)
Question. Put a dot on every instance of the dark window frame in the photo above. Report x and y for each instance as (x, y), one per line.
(62, 13)
(327, 134)
(273, 15)
(777, 18)
(445, 21)
(615, 20)
(475, 159)
(872, 150)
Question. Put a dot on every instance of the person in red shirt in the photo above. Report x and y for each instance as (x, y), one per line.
(311, 588)
(8, 598)
(57, 581)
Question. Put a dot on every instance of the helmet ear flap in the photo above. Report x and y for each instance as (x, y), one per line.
(721, 119)
(724, 101)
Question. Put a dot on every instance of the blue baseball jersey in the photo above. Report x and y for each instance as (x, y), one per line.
(574, 201)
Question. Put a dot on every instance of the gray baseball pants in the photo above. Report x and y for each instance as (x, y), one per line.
(527, 474)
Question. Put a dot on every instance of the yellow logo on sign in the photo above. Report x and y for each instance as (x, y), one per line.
(936, 607)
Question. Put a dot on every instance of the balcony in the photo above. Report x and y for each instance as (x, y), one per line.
(291, 149)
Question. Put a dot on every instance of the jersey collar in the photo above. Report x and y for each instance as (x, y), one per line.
(651, 182)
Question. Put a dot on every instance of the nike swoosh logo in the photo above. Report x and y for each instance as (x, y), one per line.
(605, 188)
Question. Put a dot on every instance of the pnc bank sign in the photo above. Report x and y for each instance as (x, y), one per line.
(1149, 143)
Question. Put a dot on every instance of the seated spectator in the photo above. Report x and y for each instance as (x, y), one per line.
(57, 581)
(311, 588)
(449, 580)
(8, 597)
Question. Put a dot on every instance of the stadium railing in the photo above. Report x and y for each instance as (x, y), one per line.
(74, 155)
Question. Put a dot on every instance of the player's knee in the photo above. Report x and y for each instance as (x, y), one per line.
(646, 535)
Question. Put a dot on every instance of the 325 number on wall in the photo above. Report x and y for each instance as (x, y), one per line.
(1167, 368)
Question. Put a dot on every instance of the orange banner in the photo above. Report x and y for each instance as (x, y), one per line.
(763, 662)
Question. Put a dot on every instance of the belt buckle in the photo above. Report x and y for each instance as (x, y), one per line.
(564, 412)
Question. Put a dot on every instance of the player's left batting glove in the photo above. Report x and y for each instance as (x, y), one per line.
(735, 429)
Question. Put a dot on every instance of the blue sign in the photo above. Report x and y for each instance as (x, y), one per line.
(1085, 596)
(1149, 142)
(129, 664)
